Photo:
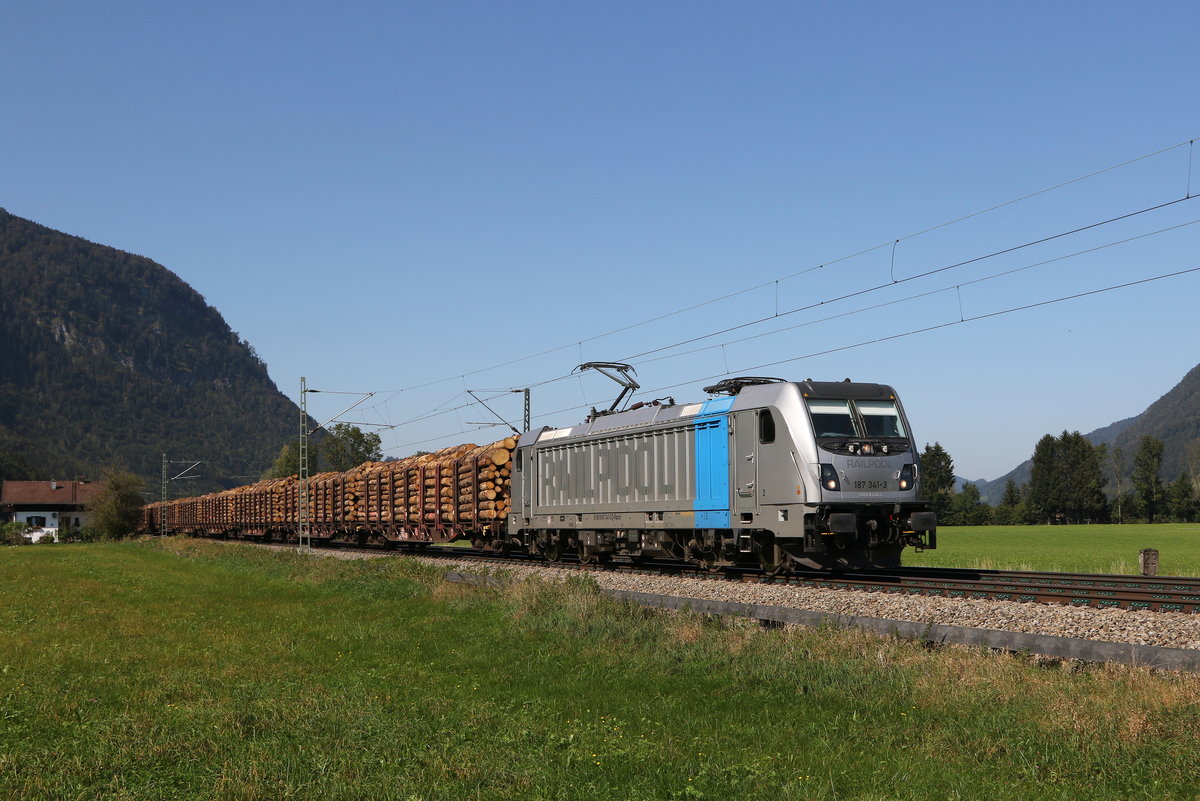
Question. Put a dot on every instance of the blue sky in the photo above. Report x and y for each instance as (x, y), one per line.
(399, 196)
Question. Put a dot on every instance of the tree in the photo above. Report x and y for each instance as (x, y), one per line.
(13, 467)
(937, 478)
(1116, 461)
(1012, 510)
(347, 446)
(1131, 505)
(1146, 479)
(1083, 490)
(287, 463)
(117, 509)
(1181, 499)
(1066, 479)
(1191, 461)
(13, 533)
(1012, 494)
(1045, 479)
(969, 509)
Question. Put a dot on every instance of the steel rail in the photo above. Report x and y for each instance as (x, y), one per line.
(1100, 591)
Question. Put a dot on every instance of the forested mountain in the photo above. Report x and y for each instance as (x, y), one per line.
(109, 359)
(1174, 418)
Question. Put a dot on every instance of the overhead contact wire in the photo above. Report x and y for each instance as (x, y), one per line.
(926, 274)
(823, 265)
(878, 340)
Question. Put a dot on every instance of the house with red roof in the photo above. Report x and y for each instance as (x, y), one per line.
(47, 507)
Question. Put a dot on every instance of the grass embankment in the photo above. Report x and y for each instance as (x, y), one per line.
(1069, 549)
(180, 669)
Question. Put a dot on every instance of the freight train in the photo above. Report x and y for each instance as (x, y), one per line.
(791, 475)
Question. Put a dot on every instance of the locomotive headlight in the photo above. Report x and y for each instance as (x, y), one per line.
(829, 478)
(907, 477)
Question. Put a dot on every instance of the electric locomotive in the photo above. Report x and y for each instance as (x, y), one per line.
(809, 474)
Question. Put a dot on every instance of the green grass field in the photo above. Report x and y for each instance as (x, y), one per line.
(176, 669)
(1070, 549)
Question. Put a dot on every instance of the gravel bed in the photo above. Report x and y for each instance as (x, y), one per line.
(1138, 627)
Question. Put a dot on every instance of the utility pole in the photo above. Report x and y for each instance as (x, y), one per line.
(162, 517)
(527, 408)
(305, 530)
(305, 523)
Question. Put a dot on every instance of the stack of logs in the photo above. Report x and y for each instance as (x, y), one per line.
(464, 488)
(465, 485)
(484, 477)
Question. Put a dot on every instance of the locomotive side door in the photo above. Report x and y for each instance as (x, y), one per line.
(744, 455)
(523, 481)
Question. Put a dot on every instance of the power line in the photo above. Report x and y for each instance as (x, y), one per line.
(437, 412)
(917, 296)
(890, 243)
(875, 341)
(926, 274)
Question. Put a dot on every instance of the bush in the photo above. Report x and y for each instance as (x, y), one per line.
(84, 534)
(116, 511)
(13, 533)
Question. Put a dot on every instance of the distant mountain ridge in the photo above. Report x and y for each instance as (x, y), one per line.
(1174, 418)
(110, 359)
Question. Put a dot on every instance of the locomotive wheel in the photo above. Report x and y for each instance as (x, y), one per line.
(770, 557)
(554, 550)
(705, 560)
(585, 558)
(769, 565)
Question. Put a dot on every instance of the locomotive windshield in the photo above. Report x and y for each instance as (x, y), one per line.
(881, 418)
(832, 418)
(847, 418)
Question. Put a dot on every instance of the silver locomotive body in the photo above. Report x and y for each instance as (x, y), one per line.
(813, 474)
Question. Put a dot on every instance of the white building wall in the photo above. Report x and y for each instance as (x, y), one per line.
(53, 521)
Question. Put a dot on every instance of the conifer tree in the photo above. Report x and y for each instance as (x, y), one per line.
(1146, 479)
(937, 479)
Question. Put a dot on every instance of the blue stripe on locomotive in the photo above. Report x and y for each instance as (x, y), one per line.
(712, 464)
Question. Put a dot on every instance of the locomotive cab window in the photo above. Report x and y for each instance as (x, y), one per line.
(766, 427)
(832, 418)
(881, 418)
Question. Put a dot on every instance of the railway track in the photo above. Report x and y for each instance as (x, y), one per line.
(1100, 591)
(1168, 594)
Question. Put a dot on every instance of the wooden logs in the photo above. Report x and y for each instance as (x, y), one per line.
(463, 488)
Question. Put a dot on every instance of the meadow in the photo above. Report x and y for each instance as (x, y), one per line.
(178, 669)
(1070, 549)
